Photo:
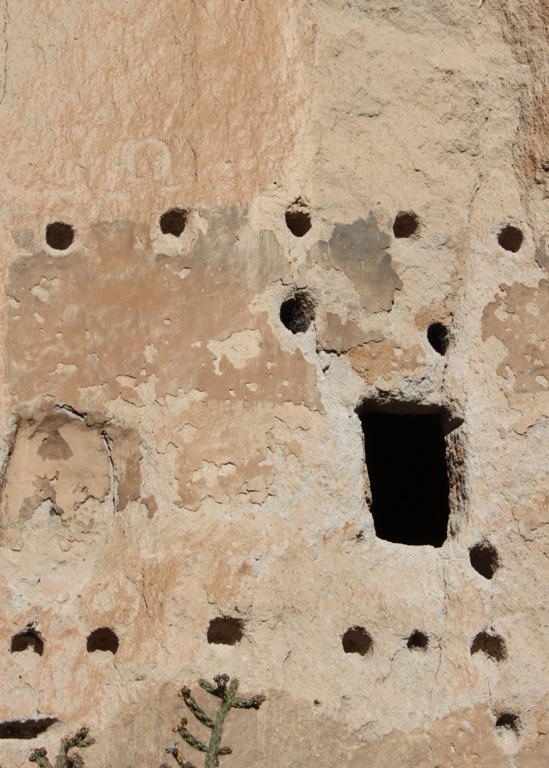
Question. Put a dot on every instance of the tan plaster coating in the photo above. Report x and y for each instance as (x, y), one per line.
(173, 453)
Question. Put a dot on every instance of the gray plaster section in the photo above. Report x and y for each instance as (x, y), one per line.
(361, 251)
(542, 257)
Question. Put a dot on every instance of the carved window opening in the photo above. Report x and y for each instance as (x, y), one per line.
(405, 456)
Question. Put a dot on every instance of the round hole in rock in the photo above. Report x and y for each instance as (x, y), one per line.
(60, 235)
(356, 640)
(484, 559)
(418, 641)
(102, 639)
(298, 312)
(406, 224)
(174, 221)
(225, 630)
(508, 721)
(28, 638)
(493, 646)
(510, 238)
(298, 219)
(438, 337)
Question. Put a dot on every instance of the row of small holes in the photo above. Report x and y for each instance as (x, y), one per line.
(102, 639)
(226, 630)
(357, 640)
(405, 225)
(60, 235)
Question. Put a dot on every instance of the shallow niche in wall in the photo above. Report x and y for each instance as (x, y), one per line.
(298, 218)
(357, 640)
(484, 559)
(102, 639)
(297, 311)
(489, 644)
(414, 461)
(173, 221)
(225, 630)
(29, 639)
(417, 641)
(60, 235)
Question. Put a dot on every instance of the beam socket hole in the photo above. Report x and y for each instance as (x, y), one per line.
(298, 219)
(508, 721)
(102, 639)
(60, 235)
(510, 238)
(298, 312)
(27, 639)
(418, 641)
(225, 630)
(406, 224)
(438, 337)
(492, 646)
(174, 221)
(484, 559)
(356, 640)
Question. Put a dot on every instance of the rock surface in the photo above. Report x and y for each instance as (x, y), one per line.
(183, 395)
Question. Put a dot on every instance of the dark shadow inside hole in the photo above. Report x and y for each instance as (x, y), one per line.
(438, 337)
(484, 559)
(492, 646)
(25, 729)
(27, 638)
(298, 222)
(406, 224)
(174, 221)
(102, 639)
(406, 462)
(297, 312)
(418, 641)
(356, 640)
(508, 721)
(225, 630)
(510, 238)
(59, 235)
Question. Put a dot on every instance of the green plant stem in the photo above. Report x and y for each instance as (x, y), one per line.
(64, 760)
(224, 689)
(39, 756)
(212, 759)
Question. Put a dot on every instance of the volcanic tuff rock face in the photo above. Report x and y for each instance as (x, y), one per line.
(275, 395)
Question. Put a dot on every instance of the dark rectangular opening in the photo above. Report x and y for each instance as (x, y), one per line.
(406, 462)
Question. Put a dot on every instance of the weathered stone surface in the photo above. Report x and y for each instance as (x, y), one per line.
(173, 453)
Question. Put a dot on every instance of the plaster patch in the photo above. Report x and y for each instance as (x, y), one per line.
(239, 349)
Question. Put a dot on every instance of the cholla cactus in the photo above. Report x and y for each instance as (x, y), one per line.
(64, 760)
(226, 691)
